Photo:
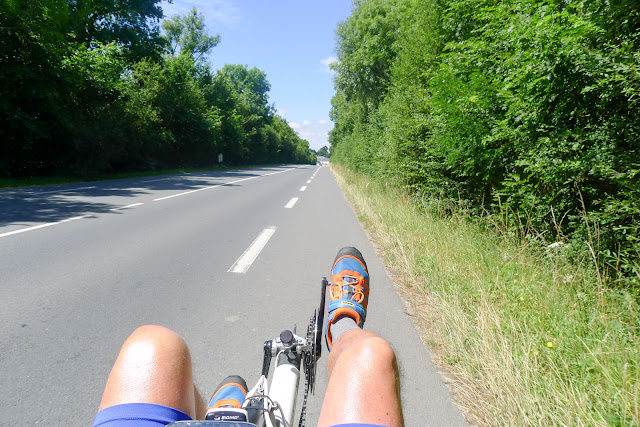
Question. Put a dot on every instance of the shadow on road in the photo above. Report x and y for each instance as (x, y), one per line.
(25, 206)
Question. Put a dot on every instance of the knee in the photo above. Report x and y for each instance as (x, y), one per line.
(149, 341)
(153, 333)
(375, 352)
(153, 366)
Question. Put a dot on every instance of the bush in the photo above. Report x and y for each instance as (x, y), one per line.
(527, 107)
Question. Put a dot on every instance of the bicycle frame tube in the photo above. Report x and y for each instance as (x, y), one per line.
(289, 350)
(284, 386)
(275, 406)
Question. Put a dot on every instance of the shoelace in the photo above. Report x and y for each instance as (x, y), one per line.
(353, 290)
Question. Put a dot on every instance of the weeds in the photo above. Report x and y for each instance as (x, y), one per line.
(530, 338)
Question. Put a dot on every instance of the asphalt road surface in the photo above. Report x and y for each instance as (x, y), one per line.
(83, 265)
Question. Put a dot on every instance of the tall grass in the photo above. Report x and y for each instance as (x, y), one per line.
(527, 337)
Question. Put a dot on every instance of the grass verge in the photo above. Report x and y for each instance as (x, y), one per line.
(526, 338)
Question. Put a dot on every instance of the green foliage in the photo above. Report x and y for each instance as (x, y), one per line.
(187, 35)
(84, 90)
(32, 39)
(250, 90)
(366, 50)
(323, 151)
(529, 108)
(93, 133)
(131, 24)
(538, 340)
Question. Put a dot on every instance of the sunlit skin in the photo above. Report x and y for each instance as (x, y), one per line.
(154, 366)
(353, 397)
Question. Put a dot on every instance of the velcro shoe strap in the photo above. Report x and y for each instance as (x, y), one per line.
(346, 303)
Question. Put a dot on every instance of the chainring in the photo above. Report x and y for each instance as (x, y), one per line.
(310, 359)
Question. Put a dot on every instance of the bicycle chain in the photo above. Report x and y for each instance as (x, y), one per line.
(309, 367)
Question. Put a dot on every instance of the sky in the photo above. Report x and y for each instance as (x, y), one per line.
(291, 41)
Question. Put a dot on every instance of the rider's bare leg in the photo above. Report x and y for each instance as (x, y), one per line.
(363, 382)
(154, 366)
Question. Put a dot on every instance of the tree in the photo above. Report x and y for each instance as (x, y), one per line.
(32, 44)
(324, 151)
(60, 66)
(366, 50)
(540, 116)
(187, 35)
(131, 24)
(250, 87)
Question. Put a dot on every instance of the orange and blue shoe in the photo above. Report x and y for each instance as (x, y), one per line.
(226, 402)
(349, 289)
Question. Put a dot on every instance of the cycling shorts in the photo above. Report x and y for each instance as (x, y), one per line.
(138, 414)
(151, 415)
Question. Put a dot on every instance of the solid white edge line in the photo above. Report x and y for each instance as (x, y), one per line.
(59, 191)
(126, 207)
(304, 187)
(35, 227)
(249, 256)
(155, 180)
(182, 194)
(275, 173)
(291, 203)
(218, 185)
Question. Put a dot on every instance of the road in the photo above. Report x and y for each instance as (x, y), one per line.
(83, 265)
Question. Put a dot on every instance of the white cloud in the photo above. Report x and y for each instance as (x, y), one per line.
(327, 62)
(281, 112)
(316, 132)
(216, 12)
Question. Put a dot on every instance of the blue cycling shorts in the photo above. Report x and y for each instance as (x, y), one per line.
(151, 415)
(138, 414)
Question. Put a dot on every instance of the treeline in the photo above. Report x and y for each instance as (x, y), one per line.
(96, 87)
(527, 111)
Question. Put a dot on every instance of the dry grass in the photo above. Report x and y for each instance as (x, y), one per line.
(524, 339)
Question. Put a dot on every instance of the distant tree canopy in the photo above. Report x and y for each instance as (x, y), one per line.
(94, 87)
(528, 108)
(324, 151)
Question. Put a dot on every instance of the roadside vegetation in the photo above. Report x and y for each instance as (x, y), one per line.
(92, 88)
(527, 109)
(493, 149)
(525, 336)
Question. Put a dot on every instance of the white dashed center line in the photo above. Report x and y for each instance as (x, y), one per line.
(291, 203)
(249, 256)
